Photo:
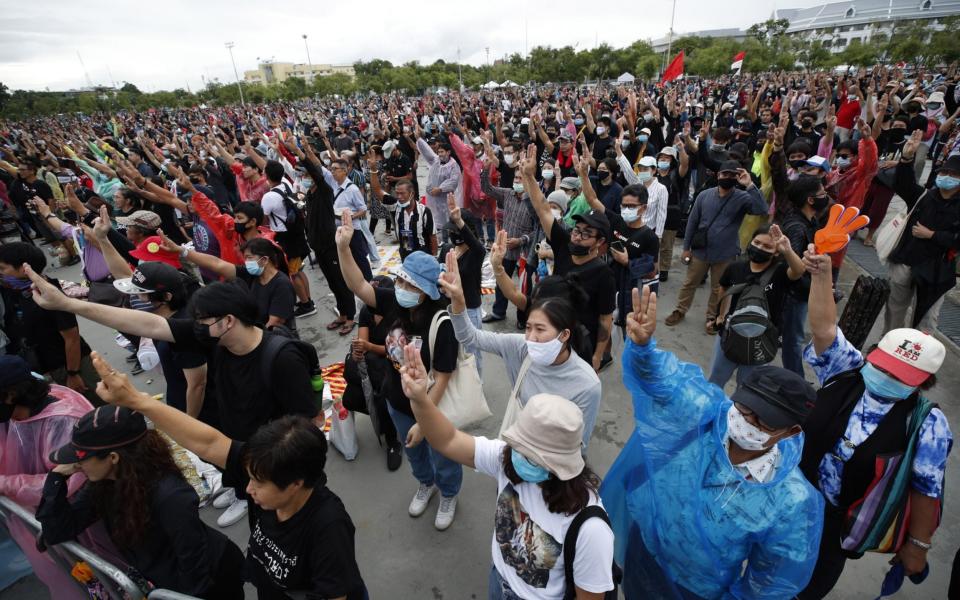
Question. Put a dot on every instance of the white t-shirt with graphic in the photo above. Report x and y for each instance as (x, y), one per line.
(527, 545)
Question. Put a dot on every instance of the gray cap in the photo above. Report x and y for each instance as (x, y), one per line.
(570, 183)
(559, 198)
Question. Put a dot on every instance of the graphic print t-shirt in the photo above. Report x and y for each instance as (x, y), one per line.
(527, 542)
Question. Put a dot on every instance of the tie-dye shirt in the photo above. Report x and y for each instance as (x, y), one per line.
(934, 444)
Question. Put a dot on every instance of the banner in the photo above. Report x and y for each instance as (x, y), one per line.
(674, 69)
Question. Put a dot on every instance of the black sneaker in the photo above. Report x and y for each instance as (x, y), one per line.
(664, 275)
(305, 309)
(394, 457)
(492, 318)
(605, 362)
(132, 358)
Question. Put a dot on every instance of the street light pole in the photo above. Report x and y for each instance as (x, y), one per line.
(229, 46)
(309, 64)
(673, 13)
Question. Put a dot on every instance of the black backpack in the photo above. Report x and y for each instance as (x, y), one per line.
(276, 340)
(570, 553)
(293, 219)
(749, 335)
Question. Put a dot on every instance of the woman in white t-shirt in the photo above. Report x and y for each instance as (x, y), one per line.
(542, 482)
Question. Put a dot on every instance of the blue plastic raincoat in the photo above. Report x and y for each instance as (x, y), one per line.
(685, 520)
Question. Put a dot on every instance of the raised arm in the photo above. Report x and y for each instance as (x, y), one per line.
(822, 313)
(119, 268)
(528, 166)
(133, 322)
(583, 167)
(205, 261)
(351, 272)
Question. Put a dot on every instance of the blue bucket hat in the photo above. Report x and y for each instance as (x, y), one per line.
(421, 270)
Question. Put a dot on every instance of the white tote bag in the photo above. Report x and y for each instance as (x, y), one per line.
(463, 401)
(513, 403)
(343, 431)
(888, 237)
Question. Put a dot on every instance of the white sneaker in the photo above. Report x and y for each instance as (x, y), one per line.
(421, 499)
(224, 498)
(234, 513)
(445, 513)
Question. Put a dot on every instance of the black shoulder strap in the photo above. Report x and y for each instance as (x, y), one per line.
(570, 545)
(272, 346)
(341, 190)
(765, 278)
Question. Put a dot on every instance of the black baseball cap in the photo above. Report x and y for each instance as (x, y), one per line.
(780, 398)
(100, 432)
(729, 165)
(597, 220)
(151, 276)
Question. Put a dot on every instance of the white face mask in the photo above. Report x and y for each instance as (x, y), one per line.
(601, 130)
(547, 174)
(403, 204)
(544, 353)
(743, 433)
(508, 158)
(557, 213)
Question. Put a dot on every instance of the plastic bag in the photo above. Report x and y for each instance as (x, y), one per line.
(343, 432)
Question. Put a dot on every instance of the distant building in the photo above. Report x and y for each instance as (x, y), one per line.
(660, 44)
(839, 24)
(277, 72)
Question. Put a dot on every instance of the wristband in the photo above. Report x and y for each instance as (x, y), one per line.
(184, 252)
(49, 216)
(74, 373)
(918, 543)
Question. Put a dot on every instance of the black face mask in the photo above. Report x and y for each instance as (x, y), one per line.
(726, 183)
(796, 164)
(897, 135)
(820, 203)
(240, 227)
(807, 123)
(6, 411)
(202, 333)
(759, 255)
(577, 250)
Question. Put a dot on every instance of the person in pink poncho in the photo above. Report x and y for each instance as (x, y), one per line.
(36, 418)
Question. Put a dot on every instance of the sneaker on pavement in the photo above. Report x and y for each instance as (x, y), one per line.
(711, 327)
(421, 499)
(394, 457)
(492, 318)
(673, 318)
(664, 276)
(305, 309)
(445, 513)
(224, 499)
(234, 513)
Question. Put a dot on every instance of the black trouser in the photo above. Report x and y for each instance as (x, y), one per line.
(330, 267)
(228, 579)
(831, 559)
(953, 592)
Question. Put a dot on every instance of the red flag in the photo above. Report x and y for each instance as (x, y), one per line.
(738, 62)
(674, 69)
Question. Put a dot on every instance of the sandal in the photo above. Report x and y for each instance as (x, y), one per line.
(346, 327)
(335, 324)
(869, 243)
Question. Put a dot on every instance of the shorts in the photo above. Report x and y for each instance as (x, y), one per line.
(295, 265)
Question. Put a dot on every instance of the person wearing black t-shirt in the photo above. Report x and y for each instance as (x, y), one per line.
(470, 254)
(767, 245)
(577, 252)
(301, 536)
(225, 317)
(411, 308)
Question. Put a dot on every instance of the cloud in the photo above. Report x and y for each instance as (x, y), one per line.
(180, 43)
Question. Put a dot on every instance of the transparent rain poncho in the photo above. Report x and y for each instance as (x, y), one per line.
(685, 520)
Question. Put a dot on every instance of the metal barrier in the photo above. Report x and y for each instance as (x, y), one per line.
(119, 586)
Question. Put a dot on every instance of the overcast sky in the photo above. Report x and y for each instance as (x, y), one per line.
(177, 42)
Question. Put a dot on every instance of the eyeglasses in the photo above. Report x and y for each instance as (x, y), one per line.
(847, 156)
(583, 234)
(752, 418)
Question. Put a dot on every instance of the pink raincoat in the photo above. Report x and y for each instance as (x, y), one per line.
(25, 448)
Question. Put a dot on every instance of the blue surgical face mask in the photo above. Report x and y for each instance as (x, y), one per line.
(643, 138)
(253, 267)
(644, 176)
(547, 174)
(663, 165)
(578, 122)
(406, 298)
(306, 183)
(647, 117)
(518, 188)
(528, 471)
(947, 182)
(16, 283)
(629, 215)
(880, 384)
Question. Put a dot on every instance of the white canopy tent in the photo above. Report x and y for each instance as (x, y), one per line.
(509, 83)
(626, 78)
(490, 85)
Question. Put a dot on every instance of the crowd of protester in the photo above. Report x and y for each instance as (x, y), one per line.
(193, 228)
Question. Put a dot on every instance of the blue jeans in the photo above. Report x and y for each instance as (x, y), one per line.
(723, 367)
(498, 588)
(474, 315)
(429, 466)
(794, 315)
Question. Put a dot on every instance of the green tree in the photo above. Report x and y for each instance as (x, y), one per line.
(4, 96)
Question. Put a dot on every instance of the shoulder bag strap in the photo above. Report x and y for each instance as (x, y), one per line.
(570, 545)
(438, 318)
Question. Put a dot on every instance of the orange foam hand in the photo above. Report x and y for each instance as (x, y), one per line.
(843, 221)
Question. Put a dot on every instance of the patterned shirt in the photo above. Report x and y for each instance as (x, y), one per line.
(933, 446)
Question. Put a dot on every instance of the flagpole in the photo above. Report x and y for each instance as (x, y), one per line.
(673, 14)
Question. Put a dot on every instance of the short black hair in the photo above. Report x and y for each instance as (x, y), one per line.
(222, 298)
(273, 171)
(639, 191)
(17, 253)
(722, 135)
(801, 146)
(286, 450)
(31, 392)
(850, 145)
(801, 188)
(261, 246)
(252, 210)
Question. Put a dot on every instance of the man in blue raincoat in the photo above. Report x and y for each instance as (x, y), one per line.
(707, 483)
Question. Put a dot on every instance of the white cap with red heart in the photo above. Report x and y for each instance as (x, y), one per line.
(910, 355)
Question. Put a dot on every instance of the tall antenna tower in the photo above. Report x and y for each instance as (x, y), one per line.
(85, 74)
